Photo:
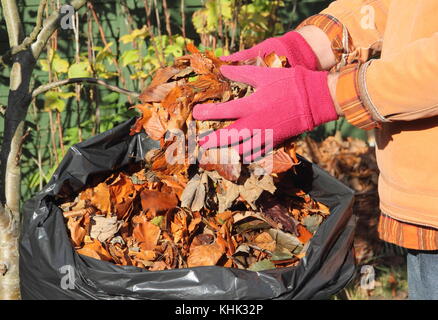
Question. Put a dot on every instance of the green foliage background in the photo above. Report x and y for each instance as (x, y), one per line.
(65, 116)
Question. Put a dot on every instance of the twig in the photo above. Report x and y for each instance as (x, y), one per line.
(50, 26)
(52, 136)
(157, 16)
(147, 9)
(167, 17)
(20, 146)
(5, 59)
(183, 19)
(49, 86)
(105, 42)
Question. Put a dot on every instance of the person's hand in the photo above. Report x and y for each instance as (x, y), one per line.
(287, 102)
(292, 45)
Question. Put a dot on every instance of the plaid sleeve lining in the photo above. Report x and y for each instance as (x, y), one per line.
(332, 28)
(407, 235)
(348, 98)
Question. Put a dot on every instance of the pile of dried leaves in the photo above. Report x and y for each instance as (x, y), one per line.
(158, 215)
(353, 162)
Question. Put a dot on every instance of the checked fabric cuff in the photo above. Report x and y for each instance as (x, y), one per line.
(332, 28)
(349, 100)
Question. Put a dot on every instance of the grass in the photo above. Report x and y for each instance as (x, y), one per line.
(390, 282)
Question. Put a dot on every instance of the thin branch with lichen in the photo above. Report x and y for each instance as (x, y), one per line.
(6, 58)
(52, 85)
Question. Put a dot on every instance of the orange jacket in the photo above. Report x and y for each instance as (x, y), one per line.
(400, 91)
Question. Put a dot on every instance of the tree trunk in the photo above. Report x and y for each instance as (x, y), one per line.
(19, 99)
(9, 210)
(9, 281)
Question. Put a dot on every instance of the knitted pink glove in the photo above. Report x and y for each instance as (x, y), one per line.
(289, 101)
(292, 45)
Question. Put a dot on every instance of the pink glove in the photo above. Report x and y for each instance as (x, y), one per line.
(292, 45)
(289, 101)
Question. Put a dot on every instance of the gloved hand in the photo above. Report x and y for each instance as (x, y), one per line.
(289, 101)
(292, 45)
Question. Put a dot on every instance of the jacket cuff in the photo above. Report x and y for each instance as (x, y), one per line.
(349, 99)
(334, 30)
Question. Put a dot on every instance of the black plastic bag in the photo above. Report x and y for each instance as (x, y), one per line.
(50, 268)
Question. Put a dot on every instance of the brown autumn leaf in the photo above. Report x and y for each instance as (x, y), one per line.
(78, 228)
(226, 161)
(304, 235)
(194, 223)
(200, 64)
(163, 75)
(147, 234)
(141, 122)
(254, 187)
(205, 255)
(123, 193)
(193, 196)
(157, 200)
(122, 189)
(274, 209)
(158, 266)
(99, 196)
(192, 48)
(79, 213)
(208, 87)
(158, 92)
(274, 61)
(103, 228)
(227, 194)
(143, 255)
(277, 162)
(265, 241)
(95, 250)
(155, 127)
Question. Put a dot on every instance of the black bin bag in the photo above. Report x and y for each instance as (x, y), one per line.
(50, 268)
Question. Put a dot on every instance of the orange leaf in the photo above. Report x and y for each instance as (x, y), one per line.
(158, 265)
(157, 200)
(222, 217)
(99, 196)
(274, 61)
(192, 48)
(157, 93)
(201, 64)
(95, 250)
(205, 255)
(281, 161)
(265, 241)
(155, 126)
(78, 229)
(146, 255)
(163, 75)
(304, 234)
(122, 189)
(141, 122)
(195, 222)
(147, 234)
(226, 161)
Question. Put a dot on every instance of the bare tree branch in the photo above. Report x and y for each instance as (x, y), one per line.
(51, 24)
(46, 87)
(6, 58)
(13, 22)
